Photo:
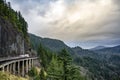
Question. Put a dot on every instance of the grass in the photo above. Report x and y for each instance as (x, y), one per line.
(8, 76)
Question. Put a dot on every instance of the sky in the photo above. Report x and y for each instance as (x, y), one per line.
(85, 23)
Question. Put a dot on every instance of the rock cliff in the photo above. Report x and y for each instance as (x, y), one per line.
(12, 42)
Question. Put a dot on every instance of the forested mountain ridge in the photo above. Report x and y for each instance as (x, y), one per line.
(52, 44)
(98, 66)
(84, 52)
(109, 50)
(98, 47)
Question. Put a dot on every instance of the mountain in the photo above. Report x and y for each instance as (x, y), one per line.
(84, 52)
(57, 45)
(98, 47)
(102, 64)
(97, 64)
(52, 44)
(110, 50)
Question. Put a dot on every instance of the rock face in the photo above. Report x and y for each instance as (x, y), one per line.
(12, 43)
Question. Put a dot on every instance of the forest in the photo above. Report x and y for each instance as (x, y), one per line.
(57, 66)
(15, 17)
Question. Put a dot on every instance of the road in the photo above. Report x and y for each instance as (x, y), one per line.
(4, 60)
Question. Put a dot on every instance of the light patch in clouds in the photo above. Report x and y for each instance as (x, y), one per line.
(78, 18)
(72, 20)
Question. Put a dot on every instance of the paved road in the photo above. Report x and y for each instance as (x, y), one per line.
(4, 60)
(10, 58)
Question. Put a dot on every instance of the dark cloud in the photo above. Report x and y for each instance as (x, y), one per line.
(117, 1)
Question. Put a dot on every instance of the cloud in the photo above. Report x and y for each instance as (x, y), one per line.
(80, 18)
(72, 20)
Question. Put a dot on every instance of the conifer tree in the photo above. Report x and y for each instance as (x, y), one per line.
(66, 60)
(42, 55)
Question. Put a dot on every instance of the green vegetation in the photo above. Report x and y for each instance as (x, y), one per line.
(107, 70)
(34, 73)
(7, 76)
(51, 44)
(58, 66)
(14, 17)
(100, 64)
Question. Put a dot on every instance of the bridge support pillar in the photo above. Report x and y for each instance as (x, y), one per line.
(10, 68)
(32, 62)
(7, 68)
(18, 67)
(3, 69)
(26, 66)
(23, 71)
(14, 68)
(29, 61)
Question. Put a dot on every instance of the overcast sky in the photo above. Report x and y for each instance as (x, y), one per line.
(85, 23)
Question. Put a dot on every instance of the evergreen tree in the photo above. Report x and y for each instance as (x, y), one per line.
(55, 69)
(1, 1)
(66, 59)
(45, 58)
(70, 71)
(42, 53)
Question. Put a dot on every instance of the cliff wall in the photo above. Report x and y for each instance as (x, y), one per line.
(12, 42)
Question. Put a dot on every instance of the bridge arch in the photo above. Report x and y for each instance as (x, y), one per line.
(19, 66)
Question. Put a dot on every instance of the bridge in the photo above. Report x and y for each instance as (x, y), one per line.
(17, 65)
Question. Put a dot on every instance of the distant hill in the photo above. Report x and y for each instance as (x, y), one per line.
(84, 52)
(110, 50)
(98, 47)
(57, 45)
(52, 44)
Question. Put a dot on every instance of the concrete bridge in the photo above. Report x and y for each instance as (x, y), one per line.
(17, 65)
